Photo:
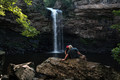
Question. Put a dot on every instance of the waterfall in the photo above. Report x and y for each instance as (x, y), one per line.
(57, 30)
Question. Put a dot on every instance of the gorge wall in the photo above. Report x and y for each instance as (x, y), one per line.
(93, 18)
(86, 26)
(89, 22)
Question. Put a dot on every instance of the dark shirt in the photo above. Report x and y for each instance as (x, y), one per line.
(67, 49)
(72, 53)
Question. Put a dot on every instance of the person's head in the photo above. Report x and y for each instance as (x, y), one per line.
(70, 46)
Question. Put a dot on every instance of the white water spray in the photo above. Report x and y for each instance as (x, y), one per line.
(57, 30)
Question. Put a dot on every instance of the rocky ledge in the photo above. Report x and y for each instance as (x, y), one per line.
(99, 6)
(55, 69)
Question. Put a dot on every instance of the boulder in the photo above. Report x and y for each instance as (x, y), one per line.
(21, 71)
(75, 69)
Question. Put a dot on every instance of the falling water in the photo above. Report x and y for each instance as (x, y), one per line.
(57, 30)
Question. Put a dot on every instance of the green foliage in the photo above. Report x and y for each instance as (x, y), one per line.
(116, 13)
(116, 51)
(116, 26)
(28, 2)
(9, 5)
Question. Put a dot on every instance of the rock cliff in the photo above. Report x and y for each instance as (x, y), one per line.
(86, 26)
(88, 23)
(93, 18)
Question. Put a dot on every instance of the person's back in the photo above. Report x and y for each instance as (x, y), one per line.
(73, 53)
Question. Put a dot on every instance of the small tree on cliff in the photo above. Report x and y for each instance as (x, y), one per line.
(116, 50)
(9, 5)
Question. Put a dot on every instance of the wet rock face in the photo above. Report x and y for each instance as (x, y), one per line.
(75, 69)
(21, 71)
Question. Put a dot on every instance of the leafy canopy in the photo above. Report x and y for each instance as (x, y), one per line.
(116, 51)
(9, 5)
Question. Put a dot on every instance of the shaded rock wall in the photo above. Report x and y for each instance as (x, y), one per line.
(35, 12)
(83, 19)
(2, 60)
(87, 25)
(93, 18)
(10, 38)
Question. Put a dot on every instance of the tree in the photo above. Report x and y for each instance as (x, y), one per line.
(116, 51)
(9, 5)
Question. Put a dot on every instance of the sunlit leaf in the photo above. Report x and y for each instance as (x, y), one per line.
(2, 12)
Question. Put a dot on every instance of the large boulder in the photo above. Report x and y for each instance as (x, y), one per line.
(75, 69)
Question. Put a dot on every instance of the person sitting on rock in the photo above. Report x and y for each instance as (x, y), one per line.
(72, 52)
